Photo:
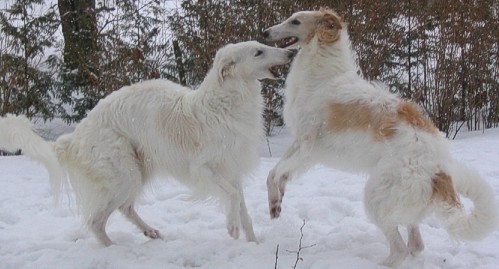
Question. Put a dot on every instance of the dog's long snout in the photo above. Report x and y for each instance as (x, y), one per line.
(292, 53)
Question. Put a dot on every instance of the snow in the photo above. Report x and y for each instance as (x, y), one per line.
(36, 233)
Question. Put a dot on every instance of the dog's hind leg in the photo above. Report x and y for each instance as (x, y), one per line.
(379, 207)
(132, 181)
(129, 211)
(116, 193)
(98, 226)
(398, 249)
(415, 241)
(94, 199)
(117, 181)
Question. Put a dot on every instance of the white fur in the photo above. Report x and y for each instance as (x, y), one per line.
(205, 138)
(399, 189)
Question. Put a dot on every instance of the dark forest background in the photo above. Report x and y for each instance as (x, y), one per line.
(59, 58)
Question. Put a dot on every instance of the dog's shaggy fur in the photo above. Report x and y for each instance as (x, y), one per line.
(343, 121)
(205, 138)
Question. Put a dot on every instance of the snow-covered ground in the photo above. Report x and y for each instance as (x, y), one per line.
(35, 233)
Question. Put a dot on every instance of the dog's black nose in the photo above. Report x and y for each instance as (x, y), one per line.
(266, 34)
(292, 53)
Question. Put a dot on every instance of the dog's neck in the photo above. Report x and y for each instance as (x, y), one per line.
(229, 93)
(326, 60)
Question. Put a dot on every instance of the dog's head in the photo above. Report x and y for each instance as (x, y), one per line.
(250, 60)
(303, 26)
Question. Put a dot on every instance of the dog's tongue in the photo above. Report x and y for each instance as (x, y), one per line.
(281, 43)
(285, 42)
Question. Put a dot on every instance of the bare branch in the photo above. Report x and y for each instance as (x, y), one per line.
(300, 247)
(276, 256)
(268, 145)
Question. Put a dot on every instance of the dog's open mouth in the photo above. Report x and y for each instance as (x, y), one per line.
(275, 71)
(286, 42)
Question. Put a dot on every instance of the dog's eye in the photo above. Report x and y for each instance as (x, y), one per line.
(295, 22)
(258, 53)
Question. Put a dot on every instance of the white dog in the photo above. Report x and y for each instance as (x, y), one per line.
(205, 138)
(341, 120)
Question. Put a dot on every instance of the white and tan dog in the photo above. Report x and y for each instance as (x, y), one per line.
(341, 120)
(205, 138)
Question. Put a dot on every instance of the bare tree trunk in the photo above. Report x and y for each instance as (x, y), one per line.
(180, 65)
(79, 28)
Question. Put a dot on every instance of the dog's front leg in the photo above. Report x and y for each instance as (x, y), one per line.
(234, 215)
(232, 202)
(246, 220)
(228, 191)
(275, 191)
(297, 158)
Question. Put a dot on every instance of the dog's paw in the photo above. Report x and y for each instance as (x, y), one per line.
(275, 208)
(415, 249)
(252, 239)
(395, 259)
(233, 230)
(153, 233)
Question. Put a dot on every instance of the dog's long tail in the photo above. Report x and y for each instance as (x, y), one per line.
(482, 218)
(16, 132)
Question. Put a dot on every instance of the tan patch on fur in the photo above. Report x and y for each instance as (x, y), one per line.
(386, 130)
(443, 189)
(143, 161)
(381, 122)
(361, 117)
(329, 25)
(139, 155)
(180, 127)
(410, 113)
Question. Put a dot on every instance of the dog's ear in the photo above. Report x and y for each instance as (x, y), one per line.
(329, 27)
(226, 68)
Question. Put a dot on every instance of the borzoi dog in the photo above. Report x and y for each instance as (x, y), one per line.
(205, 138)
(341, 120)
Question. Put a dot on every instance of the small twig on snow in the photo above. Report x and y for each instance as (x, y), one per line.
(268, 145)
(276, 256)
(300, 247)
